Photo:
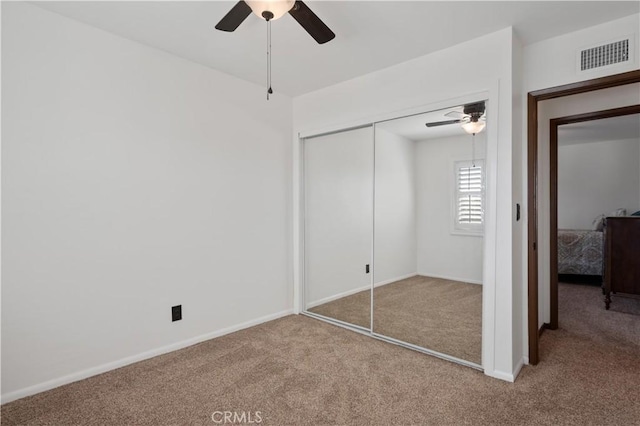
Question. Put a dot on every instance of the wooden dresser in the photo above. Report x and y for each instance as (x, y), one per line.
(621, 256)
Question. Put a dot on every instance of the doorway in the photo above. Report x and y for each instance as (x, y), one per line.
(533, 99)
(584, 241)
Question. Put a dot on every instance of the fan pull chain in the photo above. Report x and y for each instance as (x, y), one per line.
(473, 165)
(269, 90)
(473, 150)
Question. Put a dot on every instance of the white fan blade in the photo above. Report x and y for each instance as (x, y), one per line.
(455, 114)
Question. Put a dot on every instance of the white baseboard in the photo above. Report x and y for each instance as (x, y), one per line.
(525, 360)
(463, 280)
(509, 377)
(519, 366)
(337, 296)
(357, 290)
(41, 387)
(393, 280)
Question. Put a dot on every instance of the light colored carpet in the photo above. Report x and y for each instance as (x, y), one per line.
(354, 309)
(437, 314)
(300, 371)
(581, 311)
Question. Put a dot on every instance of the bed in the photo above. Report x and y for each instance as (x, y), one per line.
(580, 252)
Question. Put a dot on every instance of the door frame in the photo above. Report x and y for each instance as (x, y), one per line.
(553, 138)
(533, 98)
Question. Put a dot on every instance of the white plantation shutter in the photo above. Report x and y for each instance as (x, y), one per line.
(469, 197)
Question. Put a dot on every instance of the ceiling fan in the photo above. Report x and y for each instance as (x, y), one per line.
(473, 118)
(274, 9)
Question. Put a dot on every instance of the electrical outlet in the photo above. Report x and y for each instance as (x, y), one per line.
(176, 313)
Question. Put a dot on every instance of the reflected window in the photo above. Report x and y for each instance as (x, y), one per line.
(469, 197)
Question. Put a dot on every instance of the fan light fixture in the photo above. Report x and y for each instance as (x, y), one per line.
(473, 127)
(274, 9)
(270, 9)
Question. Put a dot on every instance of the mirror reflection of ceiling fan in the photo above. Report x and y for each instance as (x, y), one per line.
(473, 118)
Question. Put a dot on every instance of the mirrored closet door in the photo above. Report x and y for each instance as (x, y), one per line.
(338, 226)
(393, 230)
(429, 217)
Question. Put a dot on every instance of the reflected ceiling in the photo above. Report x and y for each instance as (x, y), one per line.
(413, 127)
(608, 129)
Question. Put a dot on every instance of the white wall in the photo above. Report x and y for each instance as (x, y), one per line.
(550, 63)
(597, 178)
(340, 211)
(339, 214)
(424, 84)
(440, 252)
(519, 228)
(395, 207)
(131, 181)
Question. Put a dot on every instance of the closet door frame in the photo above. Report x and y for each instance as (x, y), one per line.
(489, 246)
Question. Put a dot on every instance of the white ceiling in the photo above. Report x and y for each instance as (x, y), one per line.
(370, 35)
(608, 129)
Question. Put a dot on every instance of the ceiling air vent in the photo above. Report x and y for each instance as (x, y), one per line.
(604, 55)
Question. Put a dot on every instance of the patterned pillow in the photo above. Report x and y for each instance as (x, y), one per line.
(598, 223)
(618, 213)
